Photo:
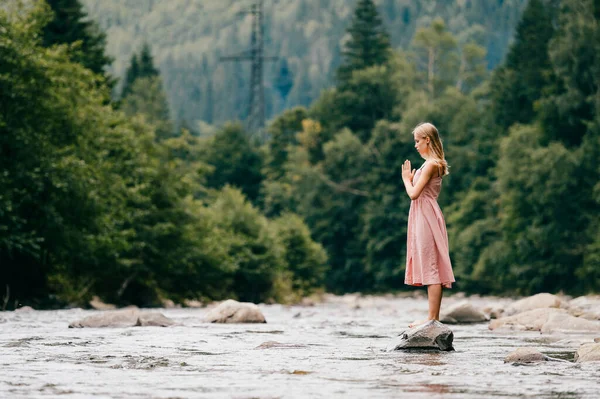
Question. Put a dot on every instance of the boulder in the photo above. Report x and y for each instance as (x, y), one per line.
(279, 345)
(463, 312)
(588, 353)
(538, 301)
(530, 320)
(529, 355)
(24, 309)
(97, 304)
(545, 320)
(232, 311)
(192, 303)
(123, 318)
(525, 355)
(564, 322)
(494, 312)
(431, 335)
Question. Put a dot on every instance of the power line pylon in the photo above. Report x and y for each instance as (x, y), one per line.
(255, 121)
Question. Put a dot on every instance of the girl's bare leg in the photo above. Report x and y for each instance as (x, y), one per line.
(434, 296)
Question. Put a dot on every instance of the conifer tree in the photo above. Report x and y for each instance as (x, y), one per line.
(71, 24)
(527, 69)
(369, 42)
(140, 66)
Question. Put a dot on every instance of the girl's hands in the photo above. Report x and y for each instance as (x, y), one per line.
(407, 173)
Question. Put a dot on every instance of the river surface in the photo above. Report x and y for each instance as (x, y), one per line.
(332, 349)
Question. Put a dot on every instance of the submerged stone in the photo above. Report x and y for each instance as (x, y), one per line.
(431, 335)
(123, 318)
(588, 353)
(232, 311)
(463, 312)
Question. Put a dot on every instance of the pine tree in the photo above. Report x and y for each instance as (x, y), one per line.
(147, 69)
(369, 42)
(71, 24)
(527, 69)
(140, 66)
(131, 74)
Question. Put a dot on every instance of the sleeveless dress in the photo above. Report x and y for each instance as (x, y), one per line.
(427, 254)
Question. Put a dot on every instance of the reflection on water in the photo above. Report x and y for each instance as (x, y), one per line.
(334, 349)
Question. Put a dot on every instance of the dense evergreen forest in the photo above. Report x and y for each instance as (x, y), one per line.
(307, 36)
(104, 194)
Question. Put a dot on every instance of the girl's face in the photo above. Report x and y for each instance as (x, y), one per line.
(422, 145)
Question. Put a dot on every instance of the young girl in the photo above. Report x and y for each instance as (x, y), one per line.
(427, 256)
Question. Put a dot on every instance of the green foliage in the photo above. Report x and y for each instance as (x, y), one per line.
(237, 161)
(368, 45)
(571, 104)
(283, 131)
(146, 98)
(70, 25)
(200, 88)
(252, 246)
(306, 260)
(540, 209)
(527, 71)
(140, 67)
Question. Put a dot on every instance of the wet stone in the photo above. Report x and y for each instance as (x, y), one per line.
(431, 335)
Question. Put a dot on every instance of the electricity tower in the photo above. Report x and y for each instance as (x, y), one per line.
(255, 121)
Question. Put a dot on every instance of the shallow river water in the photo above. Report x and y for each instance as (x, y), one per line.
(333, 349)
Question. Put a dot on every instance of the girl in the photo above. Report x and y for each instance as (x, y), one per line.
(427, 256)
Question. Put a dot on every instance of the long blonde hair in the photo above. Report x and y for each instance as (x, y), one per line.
(436, 149)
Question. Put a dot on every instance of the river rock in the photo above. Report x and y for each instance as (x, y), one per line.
(530, 355)
(530, 320)
(24, 309)
(232, 311)
(96, 303)
(493, 312)
(546, 320)
(463, 312)
(564, 322)
(525, 355)
(588, 353)
(538, 301)
(279, 345)
(124, 318)
(431, 335)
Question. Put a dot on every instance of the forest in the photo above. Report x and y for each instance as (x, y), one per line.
(103, 192)
(189, 38)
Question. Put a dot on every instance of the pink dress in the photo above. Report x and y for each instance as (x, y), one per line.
(427, 254)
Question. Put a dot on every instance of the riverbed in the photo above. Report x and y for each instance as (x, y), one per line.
(331, 349)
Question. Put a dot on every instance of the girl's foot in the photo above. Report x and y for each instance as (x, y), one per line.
(417, 323)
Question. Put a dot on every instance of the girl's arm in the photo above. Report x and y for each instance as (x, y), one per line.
(414, 191)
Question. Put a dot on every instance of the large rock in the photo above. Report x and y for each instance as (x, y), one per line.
(96, 303)
(232, 311)
(525, 355)
(562, 322)
(546, 320)
(431, 335)
(587, 307)
(588, 353)
(530, 320)
(124, 318)
(529, 355)
(538, 301)
(463, 312)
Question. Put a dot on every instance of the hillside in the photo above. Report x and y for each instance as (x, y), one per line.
(189, 36)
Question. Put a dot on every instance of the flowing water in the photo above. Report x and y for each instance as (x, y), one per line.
(333, 349)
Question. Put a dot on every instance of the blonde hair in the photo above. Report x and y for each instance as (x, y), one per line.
(436, 149)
